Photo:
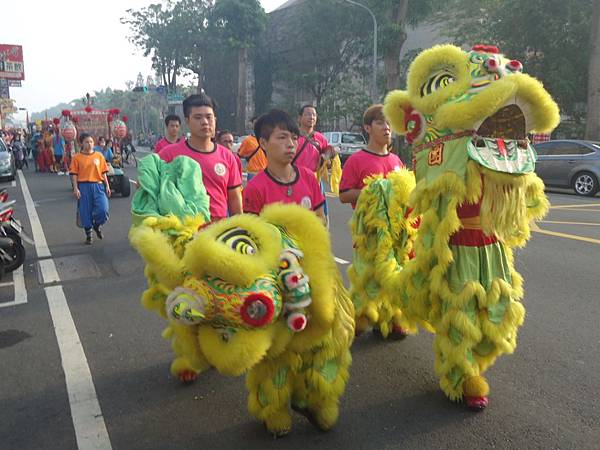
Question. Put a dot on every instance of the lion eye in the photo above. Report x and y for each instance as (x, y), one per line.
(435, 82)
(239, 240)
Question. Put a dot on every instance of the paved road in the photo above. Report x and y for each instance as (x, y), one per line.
(543, 396)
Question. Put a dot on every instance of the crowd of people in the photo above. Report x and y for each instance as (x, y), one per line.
(282, 158)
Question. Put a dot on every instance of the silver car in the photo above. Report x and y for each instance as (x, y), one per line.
(570, 163)
(8, 168)
(345, 143)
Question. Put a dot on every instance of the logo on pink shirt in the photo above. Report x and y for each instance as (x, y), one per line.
(220, 169)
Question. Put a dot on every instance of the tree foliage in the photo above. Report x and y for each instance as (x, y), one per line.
(394, 17)
(550, 37)
(156, 30)
(331, 47)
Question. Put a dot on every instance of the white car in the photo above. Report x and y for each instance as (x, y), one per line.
(345, 142)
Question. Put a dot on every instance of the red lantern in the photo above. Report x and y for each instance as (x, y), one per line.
(56, 121)
(109, 118)
(125, 119)
(68, 132)
(115, 111)
(88, 109)
(66, 113)
(119, 129)
(75, 119)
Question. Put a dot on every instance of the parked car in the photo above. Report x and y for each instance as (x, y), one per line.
(570, 163)
(346, 143)
(8, 167)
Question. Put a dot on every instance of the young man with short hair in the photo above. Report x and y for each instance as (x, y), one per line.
(225, 138)
(254, 155)
(373, 160)
(313, 148)
(311, 143)
(220, 172)
(281, 181)
(172, 124)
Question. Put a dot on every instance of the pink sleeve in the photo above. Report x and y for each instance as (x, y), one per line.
(349, 176)
(235, 173)
(253, 202)
(322, 140)
(166, 155)
(159, 146)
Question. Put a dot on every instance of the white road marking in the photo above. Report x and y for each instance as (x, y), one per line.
(340, 260)
(13, 183)
(90, 429)
(8, 283)
(20, 291)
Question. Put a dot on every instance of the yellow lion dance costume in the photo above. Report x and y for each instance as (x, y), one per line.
(254, 294)
(467, 115)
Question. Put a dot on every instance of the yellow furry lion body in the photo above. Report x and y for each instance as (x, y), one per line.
(255, 295)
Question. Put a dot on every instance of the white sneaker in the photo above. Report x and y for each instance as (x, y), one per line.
(61, 173)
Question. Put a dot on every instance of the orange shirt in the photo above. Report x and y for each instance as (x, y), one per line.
(258, 161)
(89, 167)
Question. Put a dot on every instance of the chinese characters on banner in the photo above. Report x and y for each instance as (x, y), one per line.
(11, 62)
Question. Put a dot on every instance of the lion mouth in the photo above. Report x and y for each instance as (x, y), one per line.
(508, 123)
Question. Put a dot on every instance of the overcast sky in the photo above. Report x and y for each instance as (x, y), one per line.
(73, 47)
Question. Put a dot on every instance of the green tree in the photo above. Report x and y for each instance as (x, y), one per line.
(550, 37)
(158, 30)
(393, 19)
(343, 107)
(238, 24)
(194, 18)
(592, 130)
(329, 46)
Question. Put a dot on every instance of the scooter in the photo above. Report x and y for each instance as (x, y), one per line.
(12, 251)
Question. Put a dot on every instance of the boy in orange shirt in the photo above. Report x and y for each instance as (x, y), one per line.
(90, 187)
(254, 154)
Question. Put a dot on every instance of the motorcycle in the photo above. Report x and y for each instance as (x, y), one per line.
(12, 250)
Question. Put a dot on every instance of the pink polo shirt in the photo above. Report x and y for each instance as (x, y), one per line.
(307, 155)
(263, 190)
(162, 143)
(220, 172)
(365, 163)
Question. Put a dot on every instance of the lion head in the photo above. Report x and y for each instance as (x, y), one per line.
(480, 92)
(252, 286)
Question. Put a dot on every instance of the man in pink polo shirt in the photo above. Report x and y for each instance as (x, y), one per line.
(220, 172)
(375, 159)
(311, 143)
(313, 148)
(173, 124)
(281, 181)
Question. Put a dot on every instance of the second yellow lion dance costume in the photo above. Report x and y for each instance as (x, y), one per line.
(467, 115)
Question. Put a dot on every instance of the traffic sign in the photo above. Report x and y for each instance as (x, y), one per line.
(174, 98)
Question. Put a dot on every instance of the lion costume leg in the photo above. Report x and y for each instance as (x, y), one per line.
(319, 385)
(189, 360)
(269, 385)
(481, 315)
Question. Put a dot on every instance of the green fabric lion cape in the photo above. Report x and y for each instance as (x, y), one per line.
(467, 115)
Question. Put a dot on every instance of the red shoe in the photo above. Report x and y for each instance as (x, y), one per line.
(187, 376)
(476, 403)
(397, 334)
